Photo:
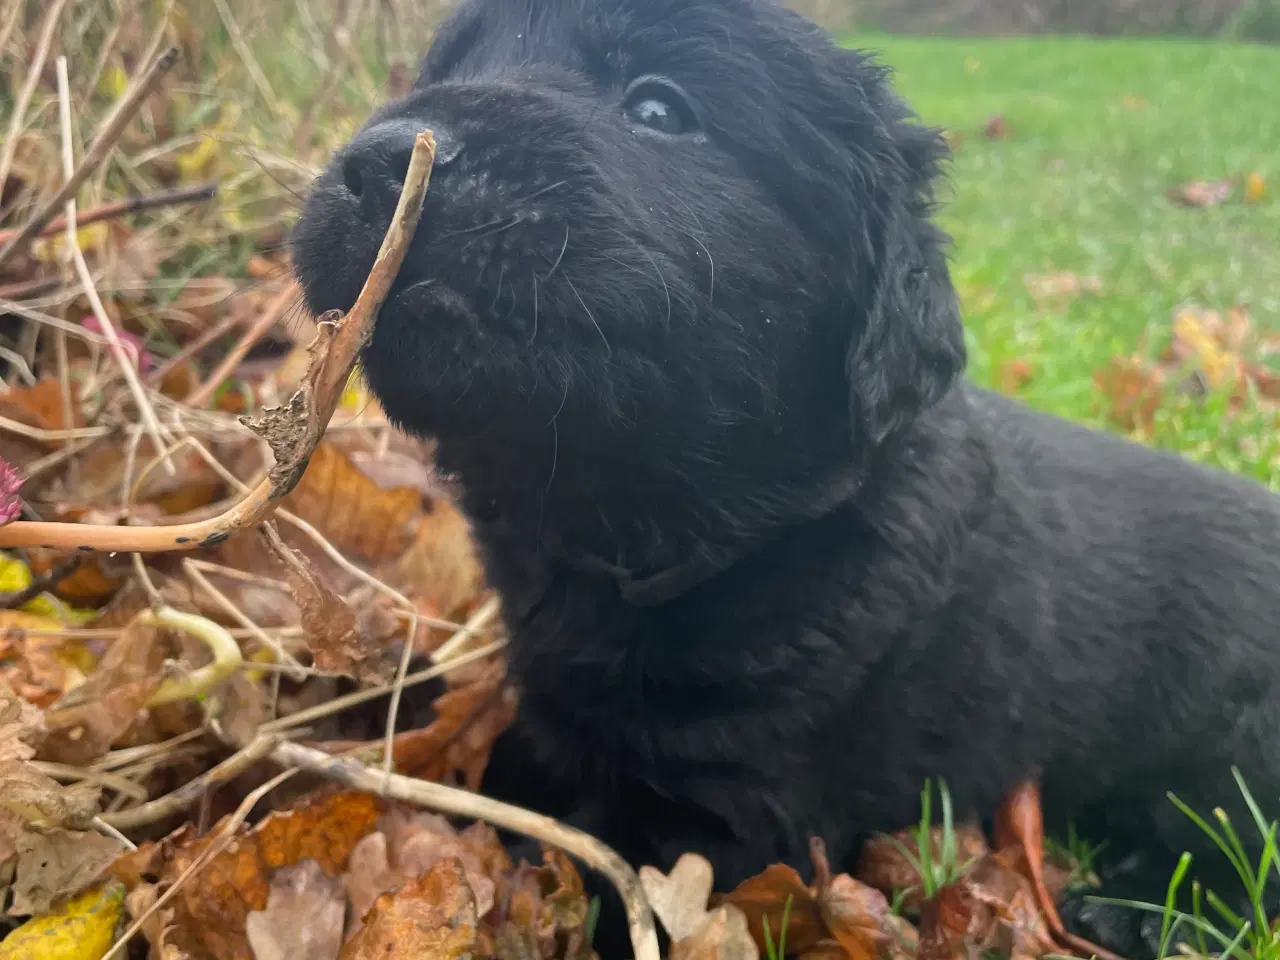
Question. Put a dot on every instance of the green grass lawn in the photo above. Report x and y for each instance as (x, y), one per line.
(1100, 129)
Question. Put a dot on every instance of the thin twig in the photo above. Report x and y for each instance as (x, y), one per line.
(123, 208)
(462, 803)
(293, 431)
(111, 131)
(10, 148)
(193, 790)
(229, 322)
(122, 356)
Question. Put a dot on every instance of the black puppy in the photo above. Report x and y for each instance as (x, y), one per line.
(681, 324)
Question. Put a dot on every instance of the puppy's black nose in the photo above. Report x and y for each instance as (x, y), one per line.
(374, 164)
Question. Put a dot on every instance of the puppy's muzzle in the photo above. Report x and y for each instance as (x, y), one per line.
(374, 164)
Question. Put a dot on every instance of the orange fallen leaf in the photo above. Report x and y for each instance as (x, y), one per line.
(1202, 193)
(1133, 390)
(432, 918)
(997, 128)
(835, 912)
(211, 907)
(542, 912)
(1012, 375)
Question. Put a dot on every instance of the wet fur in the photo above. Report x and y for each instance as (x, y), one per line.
(767, 561)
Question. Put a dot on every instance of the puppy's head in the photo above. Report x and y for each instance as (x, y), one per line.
(673, 251)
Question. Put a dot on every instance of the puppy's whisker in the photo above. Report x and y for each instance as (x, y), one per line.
(492, 227)
(533, 336)
(563, 247)
(608, 349)
(543, 192)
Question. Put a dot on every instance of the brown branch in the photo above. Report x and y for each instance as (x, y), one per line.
(461, 803)
(38, 585)
(111, 132)
(30, 289)
(292, 431)
(124, 208)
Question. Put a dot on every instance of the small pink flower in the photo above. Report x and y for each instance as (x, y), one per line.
(10, 501)
(131, 342)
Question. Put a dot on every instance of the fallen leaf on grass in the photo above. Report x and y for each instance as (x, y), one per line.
(836, 916)
(432, 918)
(338, 641)
(210, 908)
(83, 928)
(1255, 187)
(997, 128)
(303, 918)
(1133, 390)
(1061, 286)
(1202, 193)
(1011, 375)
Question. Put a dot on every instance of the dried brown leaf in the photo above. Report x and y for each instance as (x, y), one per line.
(85, 724)
(679, 899)
(883, 866)
(21, 725)
(356, 515)
(1133, 391)
(58, 863)
(210, 908)
(303, 919)
(432, 918)
(336, 637)
(722, 935)
(1202, 193)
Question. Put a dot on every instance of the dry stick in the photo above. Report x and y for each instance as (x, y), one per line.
(461, 803)
(111, 131)
(20, 105)
(272, 315)
(122, 356)
(336, 350)
(30, 289)
(8, 21)
(193, 790)
(123, 208)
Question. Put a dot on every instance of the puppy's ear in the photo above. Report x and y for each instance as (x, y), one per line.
(909, 350)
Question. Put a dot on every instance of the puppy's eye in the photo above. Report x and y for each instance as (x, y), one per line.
(660, 105)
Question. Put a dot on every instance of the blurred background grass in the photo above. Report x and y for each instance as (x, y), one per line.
(1093, 131)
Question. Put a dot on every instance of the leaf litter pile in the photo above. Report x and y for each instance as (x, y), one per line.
(221, 567)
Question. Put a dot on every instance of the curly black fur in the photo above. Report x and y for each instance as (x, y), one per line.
(766, 561)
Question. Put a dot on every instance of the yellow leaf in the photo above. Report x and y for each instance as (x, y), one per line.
(16, 575)
(90, 238)
(1255, 187)
(83, 928)
(113, 82)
